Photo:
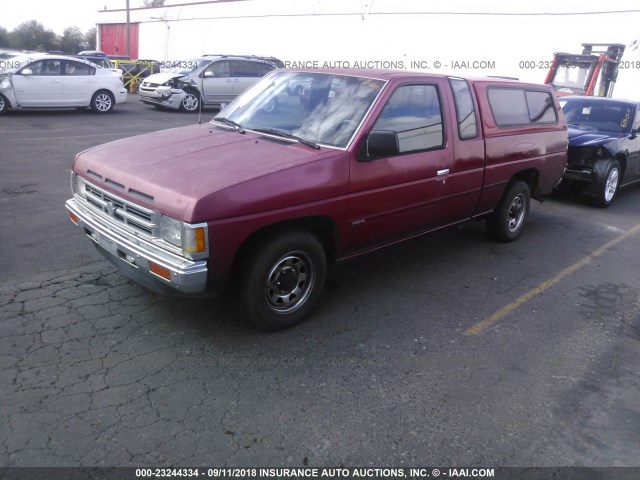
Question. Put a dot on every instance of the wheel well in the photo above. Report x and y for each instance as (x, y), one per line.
(323, 228)
(622, 158)
(530, 177)
(105, 90)
(193, 90)
(7, 103)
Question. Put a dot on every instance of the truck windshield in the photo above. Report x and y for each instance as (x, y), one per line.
(608, 116)
(321, 108)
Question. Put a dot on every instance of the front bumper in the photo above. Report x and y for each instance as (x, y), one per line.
(581, 174)
(135, 256)
(163, 96)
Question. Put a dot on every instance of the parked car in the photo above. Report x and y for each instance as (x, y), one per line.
(95, 56)
(8, 54)
(212, 80)
(604, 145)
(263, 199)
(55, 81)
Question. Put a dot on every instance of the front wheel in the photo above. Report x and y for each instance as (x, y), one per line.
(4, 105)
(608, 186)
(190, 102)
(281, 279)
(508, 219)
(102, 102)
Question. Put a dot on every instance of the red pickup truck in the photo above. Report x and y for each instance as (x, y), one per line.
(284, 181)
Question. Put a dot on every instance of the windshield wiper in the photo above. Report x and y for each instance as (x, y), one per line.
(228, 121)
(282, 133)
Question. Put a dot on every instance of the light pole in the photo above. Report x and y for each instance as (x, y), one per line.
(128, 35)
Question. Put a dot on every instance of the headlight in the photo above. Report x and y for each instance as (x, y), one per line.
(78, 185)
(171, 231)
(191, 239)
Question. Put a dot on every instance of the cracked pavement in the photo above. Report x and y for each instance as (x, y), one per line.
(97, 371)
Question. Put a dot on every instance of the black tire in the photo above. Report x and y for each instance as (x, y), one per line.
(271, 105)
(102, 101)
(608, 185)
(507, 221)
(4, 105)
(281, 278)
(191, 102)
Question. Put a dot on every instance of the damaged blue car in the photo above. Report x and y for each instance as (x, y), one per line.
(604, 145)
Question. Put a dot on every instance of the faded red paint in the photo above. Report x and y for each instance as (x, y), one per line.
(113, 39)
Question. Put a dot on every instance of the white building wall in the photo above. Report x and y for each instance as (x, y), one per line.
(466, 37)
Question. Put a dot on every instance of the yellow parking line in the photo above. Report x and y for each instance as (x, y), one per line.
(507, 309)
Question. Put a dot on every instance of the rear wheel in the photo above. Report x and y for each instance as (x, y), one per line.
(102, 102)
(508, 219)
(281, 279)
(608, 187)
(190, 102)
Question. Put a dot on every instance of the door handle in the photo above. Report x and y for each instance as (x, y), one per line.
(443, 172)
(229, 80)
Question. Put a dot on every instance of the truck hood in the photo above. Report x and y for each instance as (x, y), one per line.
(205, 172)
(580, 136)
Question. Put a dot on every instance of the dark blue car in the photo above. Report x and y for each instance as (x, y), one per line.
(604, 145)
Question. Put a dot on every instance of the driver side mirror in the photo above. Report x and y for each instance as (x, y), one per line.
(208, 74)
(635, 132)
(26, 71)
(381, 143)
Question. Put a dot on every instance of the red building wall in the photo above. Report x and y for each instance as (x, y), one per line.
(113, 39)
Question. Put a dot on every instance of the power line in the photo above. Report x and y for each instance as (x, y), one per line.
(362, 14)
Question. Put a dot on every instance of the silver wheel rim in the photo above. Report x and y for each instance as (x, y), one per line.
(1, 103)
(290, 282)
(611, 185)
(103, 102)
(190, 102)
(270, 106)
(516, 213)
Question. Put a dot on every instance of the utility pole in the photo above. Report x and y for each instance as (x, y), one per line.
(128, 39)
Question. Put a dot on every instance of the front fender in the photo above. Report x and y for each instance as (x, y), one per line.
(599, 176)
(6, 89)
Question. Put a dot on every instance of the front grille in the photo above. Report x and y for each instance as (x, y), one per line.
(137, 219)
(150, 85)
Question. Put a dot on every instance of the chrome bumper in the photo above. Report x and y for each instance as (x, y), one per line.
(135, 256)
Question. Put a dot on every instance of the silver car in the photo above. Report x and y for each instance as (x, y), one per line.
(210, 80)
(55, 81)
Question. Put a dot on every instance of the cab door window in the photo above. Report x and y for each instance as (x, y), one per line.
(414, 113)
(48, 67)
(220, 69)
(78, 69)
(246, 68)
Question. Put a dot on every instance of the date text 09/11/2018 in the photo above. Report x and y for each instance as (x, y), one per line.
(346, 473)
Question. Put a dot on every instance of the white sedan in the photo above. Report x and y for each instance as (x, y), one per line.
(54, 81)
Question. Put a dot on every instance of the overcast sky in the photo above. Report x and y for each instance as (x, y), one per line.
(56, 15)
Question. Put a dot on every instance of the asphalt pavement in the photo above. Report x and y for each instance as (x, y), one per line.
(447, 350)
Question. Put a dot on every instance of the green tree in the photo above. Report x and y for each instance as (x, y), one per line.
(32, 35)
(72, 40)
(5, 41)
(89, 42)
